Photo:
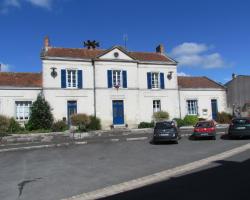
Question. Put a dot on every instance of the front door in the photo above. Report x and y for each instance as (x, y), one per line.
(214, 108)
(118, 112)
(72, 109)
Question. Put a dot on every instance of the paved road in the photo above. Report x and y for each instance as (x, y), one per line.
(55, 173)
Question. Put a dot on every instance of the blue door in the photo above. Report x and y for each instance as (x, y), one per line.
(214, 108)
(118, 112)
(72, 109)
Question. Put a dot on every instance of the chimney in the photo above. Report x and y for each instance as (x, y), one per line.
(233, 75)
(160, 49)
(46, 43)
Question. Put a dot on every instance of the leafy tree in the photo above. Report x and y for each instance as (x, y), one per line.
(41, 116)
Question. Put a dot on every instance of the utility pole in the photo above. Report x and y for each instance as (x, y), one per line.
(125, 39)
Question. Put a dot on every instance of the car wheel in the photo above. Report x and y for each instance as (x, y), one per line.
(214, 138)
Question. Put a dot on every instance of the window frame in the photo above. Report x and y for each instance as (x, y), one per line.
(21, 105)
(117, 81)
(192, 107)
(156, 105)
(153, 78)
(69, 84)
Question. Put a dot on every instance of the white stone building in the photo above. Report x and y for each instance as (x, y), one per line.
(118, 86)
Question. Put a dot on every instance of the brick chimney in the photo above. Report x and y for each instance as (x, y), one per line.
(160, 49)
(46, 43)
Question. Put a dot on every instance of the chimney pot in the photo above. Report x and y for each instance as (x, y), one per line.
(46, 42)
(160, 49)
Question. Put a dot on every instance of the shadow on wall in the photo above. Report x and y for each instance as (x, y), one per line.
(229, 180)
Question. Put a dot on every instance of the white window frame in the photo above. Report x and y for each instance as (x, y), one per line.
(22, 109)
(69, 83)
(192, 107)
(155, 80)
(156, 105)
(115, 78)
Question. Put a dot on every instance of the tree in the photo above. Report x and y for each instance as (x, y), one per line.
(41, 116)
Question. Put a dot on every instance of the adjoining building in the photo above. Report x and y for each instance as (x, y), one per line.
(121, 87)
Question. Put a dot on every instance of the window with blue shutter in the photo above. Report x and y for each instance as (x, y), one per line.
(79, 75)
(162, 80)
(109, 78)
(124, 79)
(149, 80)
(63, 78)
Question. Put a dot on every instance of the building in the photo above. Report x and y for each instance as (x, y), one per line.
(238, 95)
(121, 87)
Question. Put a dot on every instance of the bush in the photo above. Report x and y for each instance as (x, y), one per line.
(146, 125)
(190, 120)
(81, 121)
(161, 115)
(59, 126)
(41, 116)
(180, 122)
(224, 118)
(94, 124)
(14, 126)
(4, 124)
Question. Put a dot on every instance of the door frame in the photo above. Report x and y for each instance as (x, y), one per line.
(71, 104)
(212, 112)
(122, 118)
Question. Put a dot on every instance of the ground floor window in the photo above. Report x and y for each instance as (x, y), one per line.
(23, 110)
(192, 107)
(156, 105)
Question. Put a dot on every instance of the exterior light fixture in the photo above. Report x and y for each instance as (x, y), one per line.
(53, 72)
(170, 75)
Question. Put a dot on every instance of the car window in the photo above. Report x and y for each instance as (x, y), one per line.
(241, 121)
(164, 125)
(204, 125)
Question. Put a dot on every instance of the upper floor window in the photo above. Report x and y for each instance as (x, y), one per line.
(71, 78)
(117, 78)
(156, 105)
(155, 80)
(23, 110)
(192, 107)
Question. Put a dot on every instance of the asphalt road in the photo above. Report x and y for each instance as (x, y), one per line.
(56, 173)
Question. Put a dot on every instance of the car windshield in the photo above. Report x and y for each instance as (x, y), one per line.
(164, 125)
(204, 125)
(241, 121)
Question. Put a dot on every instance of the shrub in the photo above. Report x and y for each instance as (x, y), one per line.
(94, 124)
(14, 126)
(59, 126)
(146, 125)
(180, 122)
(224, 118)
(4, 124)
(161, 115)
(80, 120)
(41, 116)
(190, 120)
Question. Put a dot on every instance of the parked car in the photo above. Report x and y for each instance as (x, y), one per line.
(239, 128)
(166, 131)
(205, 129)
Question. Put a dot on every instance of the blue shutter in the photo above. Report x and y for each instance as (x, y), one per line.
(79, 76)
(162, 80)
(63, 78)
(109, 76)
(149, 80)
(124, 79)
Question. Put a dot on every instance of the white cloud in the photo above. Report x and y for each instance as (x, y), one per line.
(41, 3)
(197, 55)
(5, 67)
(182, 74)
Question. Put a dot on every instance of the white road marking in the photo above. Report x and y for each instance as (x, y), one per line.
(115, 140)
(138, 138)
(157, 177)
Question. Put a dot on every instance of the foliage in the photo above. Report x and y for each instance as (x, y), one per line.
(146, 125)
(14, 126)
(161, 115)
(81, 121)
(224, 118)
(41, 116)
(4, 124)
(180, 122)
(94, 124)
(190, 120)
(59, 126)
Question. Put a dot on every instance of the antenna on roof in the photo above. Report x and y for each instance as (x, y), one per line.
(125, 39)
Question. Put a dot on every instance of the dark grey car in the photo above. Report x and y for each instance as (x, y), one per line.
(166, 131)
(239, 128)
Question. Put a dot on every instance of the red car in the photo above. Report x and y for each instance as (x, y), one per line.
(204, 129)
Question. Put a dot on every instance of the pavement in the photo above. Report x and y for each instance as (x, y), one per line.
(63, 172)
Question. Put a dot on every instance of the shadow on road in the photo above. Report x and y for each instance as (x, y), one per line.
(229, 180)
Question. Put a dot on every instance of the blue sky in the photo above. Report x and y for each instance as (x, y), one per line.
(208, 38)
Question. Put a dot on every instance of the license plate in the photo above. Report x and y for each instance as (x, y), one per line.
(204, 134)
(240, 128)
(165, 134)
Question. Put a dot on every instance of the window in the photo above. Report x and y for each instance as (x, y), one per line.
(156, 105)
(155, 80)
(192, 106)
(116, 78)
(23, 110)
(71, 78)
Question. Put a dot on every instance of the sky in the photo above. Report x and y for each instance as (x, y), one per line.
(207, 37)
